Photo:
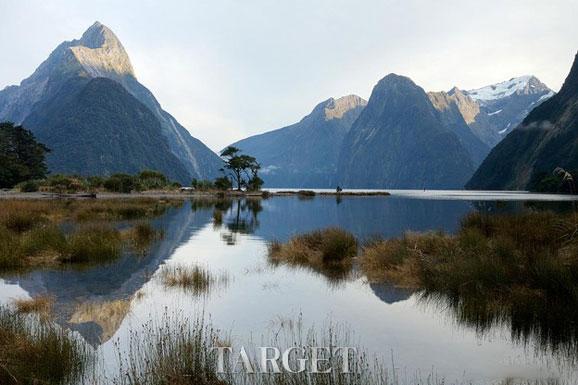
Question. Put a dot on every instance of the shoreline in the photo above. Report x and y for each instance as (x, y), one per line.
(182, 195)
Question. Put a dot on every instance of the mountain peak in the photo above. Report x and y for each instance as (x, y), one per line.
(100, 53)
(97, 35)
(522, 85)
(336, 108)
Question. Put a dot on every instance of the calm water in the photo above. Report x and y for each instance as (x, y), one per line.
(104, 304)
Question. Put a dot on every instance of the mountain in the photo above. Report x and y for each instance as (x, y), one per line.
(454, 107)
(503, 106)
(400, 141)
(305, 154)
(95, 127)
(99, 54)
(547, 138)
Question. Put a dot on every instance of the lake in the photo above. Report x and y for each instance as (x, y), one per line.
(105, 304)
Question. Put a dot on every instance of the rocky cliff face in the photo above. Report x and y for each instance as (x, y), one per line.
(305, 154)
(455, 110)
(400, 141)
(99, 53)
(547, 138)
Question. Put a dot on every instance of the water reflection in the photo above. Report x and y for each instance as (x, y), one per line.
(232, 235)
(551, 324)
(389, 293)
(238, 216)
(83, 298)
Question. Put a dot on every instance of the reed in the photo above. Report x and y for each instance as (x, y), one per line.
(193, 279)
(38, 352)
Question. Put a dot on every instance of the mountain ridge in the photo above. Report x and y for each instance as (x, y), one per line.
(400, 141)
(546, 139)
(99, 53)
(305, 153)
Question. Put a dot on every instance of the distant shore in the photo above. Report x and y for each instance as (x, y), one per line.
(182, 195)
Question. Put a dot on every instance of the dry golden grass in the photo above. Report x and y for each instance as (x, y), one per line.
(387, 262)
(38, 352)
(328, 252)
(41, 305)
(194, 279)
(31, 234)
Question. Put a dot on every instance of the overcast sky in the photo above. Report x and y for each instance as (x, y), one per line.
(230, 69)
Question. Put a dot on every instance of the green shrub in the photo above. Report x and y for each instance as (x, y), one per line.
(223, 183)
(65, 183)
(29, 186)
(121, 183)
(202, 185)
(152, 180)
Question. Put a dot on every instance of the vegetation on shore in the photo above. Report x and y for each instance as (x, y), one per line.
(47, 233)
(147, 180)
(36, 351)
(532, 253)
(21, 156)
(328, 252)
(520, 270)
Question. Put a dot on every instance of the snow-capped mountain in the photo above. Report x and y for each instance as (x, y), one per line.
(523, 85)
(493, 111)
(546, 139)
(502, 106)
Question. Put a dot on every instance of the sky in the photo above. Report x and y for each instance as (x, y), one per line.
(230, 69)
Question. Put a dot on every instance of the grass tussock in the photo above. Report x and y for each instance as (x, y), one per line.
(328, 252)
(175, 352)
(38, 352)
(534, 250)
(41, 305)
(194, 279)
(517, 269)
(94, 244)
(142, 235)
(32, 232)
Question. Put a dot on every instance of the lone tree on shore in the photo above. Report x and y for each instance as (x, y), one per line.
(22, 158)
(243, 169)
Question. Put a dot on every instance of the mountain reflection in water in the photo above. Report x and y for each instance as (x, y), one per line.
(232, 235)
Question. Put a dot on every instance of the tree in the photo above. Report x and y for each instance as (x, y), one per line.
(223, 183)
(22, 158)
(241, 168)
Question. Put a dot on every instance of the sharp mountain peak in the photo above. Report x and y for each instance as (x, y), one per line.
(101, 53)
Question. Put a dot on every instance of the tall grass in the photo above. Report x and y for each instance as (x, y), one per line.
(193, 279)
(94, 244)
(177, 352)
(517, 269)
(38, 352)
(41, 305)
(327, 251)
(31, 231)
(180, 351)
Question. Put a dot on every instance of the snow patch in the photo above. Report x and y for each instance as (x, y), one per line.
(500, 90)
(546, 96)
(494, 113)
(502, 132)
